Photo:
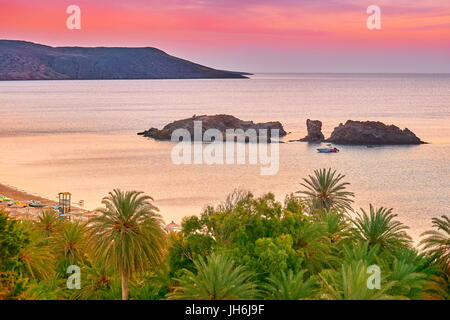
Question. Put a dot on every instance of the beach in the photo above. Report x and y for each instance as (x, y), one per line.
(32, 213)
(20, 195)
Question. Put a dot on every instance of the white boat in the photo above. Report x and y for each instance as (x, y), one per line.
(328, 149)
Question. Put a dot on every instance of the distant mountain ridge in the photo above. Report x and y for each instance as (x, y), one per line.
(22, 60)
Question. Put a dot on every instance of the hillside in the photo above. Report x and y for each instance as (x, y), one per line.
(21, 60)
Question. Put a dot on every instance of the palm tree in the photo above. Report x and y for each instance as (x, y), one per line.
(36, 257)
(409, 281)
(70, 244)
(291, 286)
(325, 191)
(360, 251)
(129, 235)
(98, 284)
(216, 278)
(378, 227)
(48, 222)
(312, 243)
(437, 242)
(350, 283)
(336, 225)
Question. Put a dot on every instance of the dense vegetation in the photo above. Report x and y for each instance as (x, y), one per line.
(310, 246)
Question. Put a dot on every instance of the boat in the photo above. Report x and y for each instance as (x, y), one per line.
(36, 204)
(17, 204)
(328, 149)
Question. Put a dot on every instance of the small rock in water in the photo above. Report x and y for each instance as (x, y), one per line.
(315, 134)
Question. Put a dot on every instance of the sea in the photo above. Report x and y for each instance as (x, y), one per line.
(81, 137)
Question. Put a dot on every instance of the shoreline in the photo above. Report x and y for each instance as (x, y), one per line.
(23, 196)
(21, 213)
(16, 194)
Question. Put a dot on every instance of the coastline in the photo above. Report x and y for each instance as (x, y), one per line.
(23, 196)
(76, 213)
(16, 194)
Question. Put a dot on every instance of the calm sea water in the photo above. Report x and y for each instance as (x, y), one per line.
(80, 136)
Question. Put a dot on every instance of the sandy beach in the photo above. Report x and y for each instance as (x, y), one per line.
(15, 194)
(31, 213)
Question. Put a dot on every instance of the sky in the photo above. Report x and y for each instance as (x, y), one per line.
(250, 35)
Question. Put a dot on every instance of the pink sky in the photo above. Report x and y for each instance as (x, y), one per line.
(251, 35)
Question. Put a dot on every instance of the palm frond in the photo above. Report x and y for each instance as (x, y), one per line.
(326, 191)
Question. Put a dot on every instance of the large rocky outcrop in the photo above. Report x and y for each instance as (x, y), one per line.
(21, 60)
(221, 122)
(371, 133)
(315, 134)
